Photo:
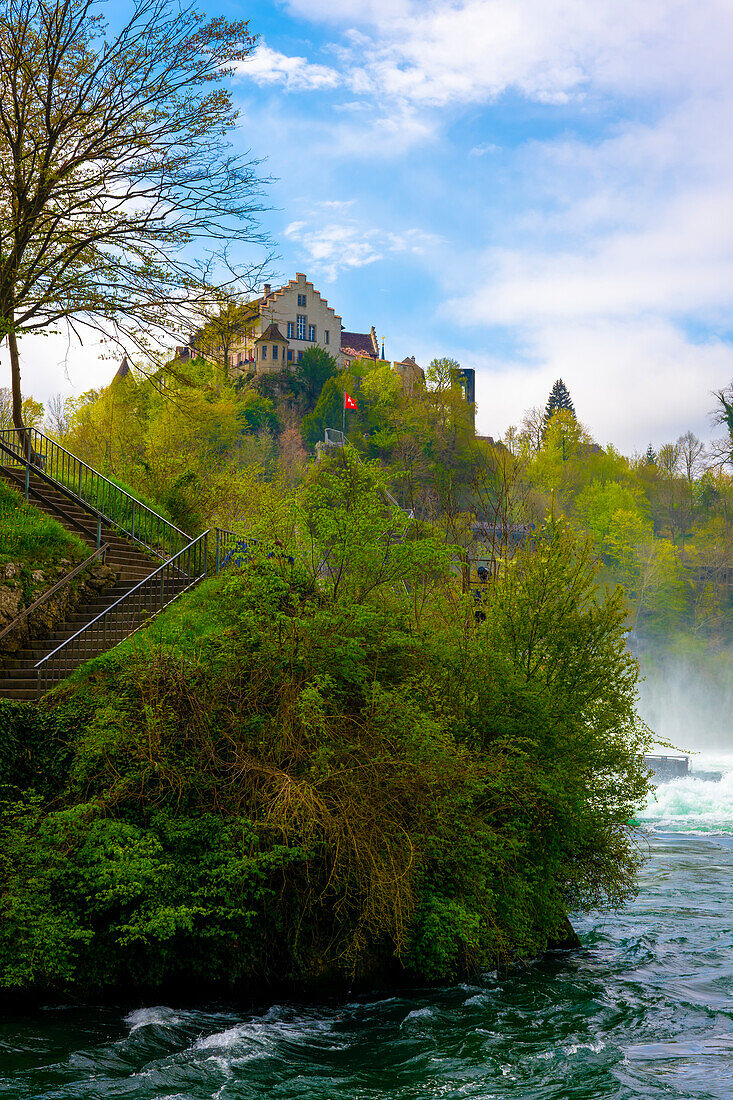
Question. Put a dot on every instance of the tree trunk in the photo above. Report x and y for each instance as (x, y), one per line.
(17, 392)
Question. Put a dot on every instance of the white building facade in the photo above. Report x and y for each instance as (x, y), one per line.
(301, 316)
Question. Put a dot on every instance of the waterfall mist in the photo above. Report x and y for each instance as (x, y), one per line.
(687, 697)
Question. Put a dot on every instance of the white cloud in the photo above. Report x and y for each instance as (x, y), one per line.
(335, 247)
(483, 149)
(631, 384)
(639, 224)
(297, 74)
(436, 52)
(338, 246)
(54, 364)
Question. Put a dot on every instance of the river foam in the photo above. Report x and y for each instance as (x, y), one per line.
(692, 804)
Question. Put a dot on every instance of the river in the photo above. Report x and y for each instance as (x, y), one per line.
(645, 1010)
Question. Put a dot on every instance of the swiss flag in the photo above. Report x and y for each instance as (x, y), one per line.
(349, 402)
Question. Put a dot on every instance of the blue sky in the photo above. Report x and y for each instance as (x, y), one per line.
(537, 188)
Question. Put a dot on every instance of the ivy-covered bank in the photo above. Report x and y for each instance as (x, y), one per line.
(284, 779)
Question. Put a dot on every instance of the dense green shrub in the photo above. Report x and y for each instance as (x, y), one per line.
(298, 775)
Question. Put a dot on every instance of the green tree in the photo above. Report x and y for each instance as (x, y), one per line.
(441, 374)
(326, 414)
(559, 399)
(223, 330)
(257, 413)
(294, 774)
(313, 371)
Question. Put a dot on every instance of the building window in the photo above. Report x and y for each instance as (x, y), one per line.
(301, 326)
(300, 355)
(291, 330)
(264, 351)
(312, 333)
(290, 356)
(325, 336)
(274, 351)
(301, 300)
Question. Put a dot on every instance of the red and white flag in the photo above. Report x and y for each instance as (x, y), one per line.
(349, 402)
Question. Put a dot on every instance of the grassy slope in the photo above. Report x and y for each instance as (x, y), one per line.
(29, 536)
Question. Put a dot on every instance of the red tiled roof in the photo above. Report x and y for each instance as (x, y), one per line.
(359, 344)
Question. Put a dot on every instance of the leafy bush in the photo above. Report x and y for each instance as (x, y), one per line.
(292, 776)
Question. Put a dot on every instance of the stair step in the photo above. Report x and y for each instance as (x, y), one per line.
(131, 562)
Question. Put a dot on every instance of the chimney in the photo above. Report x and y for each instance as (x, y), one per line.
(268, 288)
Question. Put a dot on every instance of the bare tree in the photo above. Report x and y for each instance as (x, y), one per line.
(58, 415)
(721, 451)
(114, 167)
(533, 428)
(223, 329)
(691, 449)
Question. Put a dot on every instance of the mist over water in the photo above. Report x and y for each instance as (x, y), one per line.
(688, 700)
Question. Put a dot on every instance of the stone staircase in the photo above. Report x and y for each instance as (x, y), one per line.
(18, 676)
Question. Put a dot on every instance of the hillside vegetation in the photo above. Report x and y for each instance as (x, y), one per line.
(211, 452)
(322, 767)
(339, 762)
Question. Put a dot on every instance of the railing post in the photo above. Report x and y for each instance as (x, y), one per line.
(27, 478)
(133, 519)
(99, 531)
(217, 549)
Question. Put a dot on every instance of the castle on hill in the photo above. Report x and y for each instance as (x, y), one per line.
(282, 324)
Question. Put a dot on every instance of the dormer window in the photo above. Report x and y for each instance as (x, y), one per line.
(301, 301)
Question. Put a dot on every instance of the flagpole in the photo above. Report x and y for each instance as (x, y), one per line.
(343, 420)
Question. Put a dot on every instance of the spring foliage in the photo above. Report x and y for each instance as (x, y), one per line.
(319, 766)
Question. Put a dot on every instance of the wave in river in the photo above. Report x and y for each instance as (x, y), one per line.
(692, 805)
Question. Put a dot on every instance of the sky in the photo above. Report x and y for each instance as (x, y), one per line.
(536, 188)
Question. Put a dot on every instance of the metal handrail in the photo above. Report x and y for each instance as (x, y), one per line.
(204, 556)
(100, 553)
(56, 508)
(95, 491)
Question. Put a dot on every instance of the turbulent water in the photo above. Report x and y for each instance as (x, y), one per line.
(645, 1010)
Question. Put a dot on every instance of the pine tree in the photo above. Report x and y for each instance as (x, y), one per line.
(650, 457)
(559, 399)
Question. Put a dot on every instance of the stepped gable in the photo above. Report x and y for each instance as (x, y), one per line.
(360, 345)
(270, 296)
